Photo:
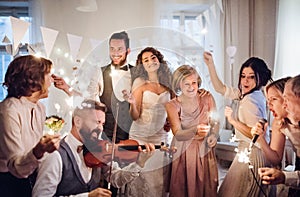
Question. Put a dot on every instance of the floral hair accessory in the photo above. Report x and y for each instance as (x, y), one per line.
(54, 123)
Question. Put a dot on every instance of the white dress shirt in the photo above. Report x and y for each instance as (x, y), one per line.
(50, 171)
(121, 80)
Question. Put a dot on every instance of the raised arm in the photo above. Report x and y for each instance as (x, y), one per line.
(217, 83)
(61, 84)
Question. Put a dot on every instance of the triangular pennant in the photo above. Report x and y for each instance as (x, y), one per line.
(213, 10)
(74, 44)
(206, 16)
(199, 21)
(220, 4)
(49, 37)
(19, 28)
(94, 43)
(8, 49)
(6, 40)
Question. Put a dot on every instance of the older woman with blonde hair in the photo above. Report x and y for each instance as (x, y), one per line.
(194, 168)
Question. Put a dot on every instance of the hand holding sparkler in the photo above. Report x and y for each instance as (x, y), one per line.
(257, 130)
(127, 95)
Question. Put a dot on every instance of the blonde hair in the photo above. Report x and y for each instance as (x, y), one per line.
(181, 73)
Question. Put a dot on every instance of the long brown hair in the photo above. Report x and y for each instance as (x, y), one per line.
(26, 75)
(164, 72)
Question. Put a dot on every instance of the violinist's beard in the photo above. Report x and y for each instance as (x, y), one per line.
(89, 138)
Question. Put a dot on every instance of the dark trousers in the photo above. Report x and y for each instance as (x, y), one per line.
(11, 186)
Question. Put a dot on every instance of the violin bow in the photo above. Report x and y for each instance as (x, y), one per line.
(113, 144)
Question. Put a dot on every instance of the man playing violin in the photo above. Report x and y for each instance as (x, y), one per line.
(65, 172)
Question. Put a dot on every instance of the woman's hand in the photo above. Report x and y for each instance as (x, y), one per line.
(228, 114)
(258, 129)
(48, 143)
(208, 59)
(128, 97)
(202, 130)
(212, 140)
(202, 92)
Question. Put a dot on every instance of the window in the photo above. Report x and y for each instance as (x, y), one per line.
(6, 58)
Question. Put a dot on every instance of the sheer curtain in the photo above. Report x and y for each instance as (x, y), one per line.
(288, 39)
(250, 25)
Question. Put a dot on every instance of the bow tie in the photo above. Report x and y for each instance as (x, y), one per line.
(125, 68)
(79, 148)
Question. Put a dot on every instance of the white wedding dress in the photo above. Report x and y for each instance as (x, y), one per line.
(149, 128)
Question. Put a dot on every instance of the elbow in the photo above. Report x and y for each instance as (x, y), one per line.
(221, 90)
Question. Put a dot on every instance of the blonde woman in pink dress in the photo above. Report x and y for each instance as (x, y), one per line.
(194, 168)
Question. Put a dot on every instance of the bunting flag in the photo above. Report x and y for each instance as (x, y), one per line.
(213, 10)
(49, 36)
(220, 4)
(19, 29)
(206, 15)
(94, 43)
(74, 44)
(6, 40)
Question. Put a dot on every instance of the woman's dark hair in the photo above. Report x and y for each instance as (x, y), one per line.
(26, 75)
(164, 72)
(261, 71)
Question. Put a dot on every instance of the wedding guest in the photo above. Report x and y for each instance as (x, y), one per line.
(67, 172)
(107, 84)
(22, 118)
(150, 91)
(253, 75)
(194, 168)
(291, 129)
(273, 151)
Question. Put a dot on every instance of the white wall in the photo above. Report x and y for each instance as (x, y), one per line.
(288, 39)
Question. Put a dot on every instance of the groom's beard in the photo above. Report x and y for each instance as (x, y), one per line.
(90, 138)
(121, 63)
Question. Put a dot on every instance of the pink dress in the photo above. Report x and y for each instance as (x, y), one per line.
(194, 168)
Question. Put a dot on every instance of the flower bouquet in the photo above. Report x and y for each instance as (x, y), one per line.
(54, 123)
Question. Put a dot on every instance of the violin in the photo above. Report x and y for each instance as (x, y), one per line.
(126, 151)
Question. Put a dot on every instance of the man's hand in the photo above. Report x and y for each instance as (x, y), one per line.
(100, 192)
(145, 154)
(48, 143)
(271, 176)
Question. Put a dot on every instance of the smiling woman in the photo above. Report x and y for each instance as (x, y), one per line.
(254, 74)
(22, 118)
